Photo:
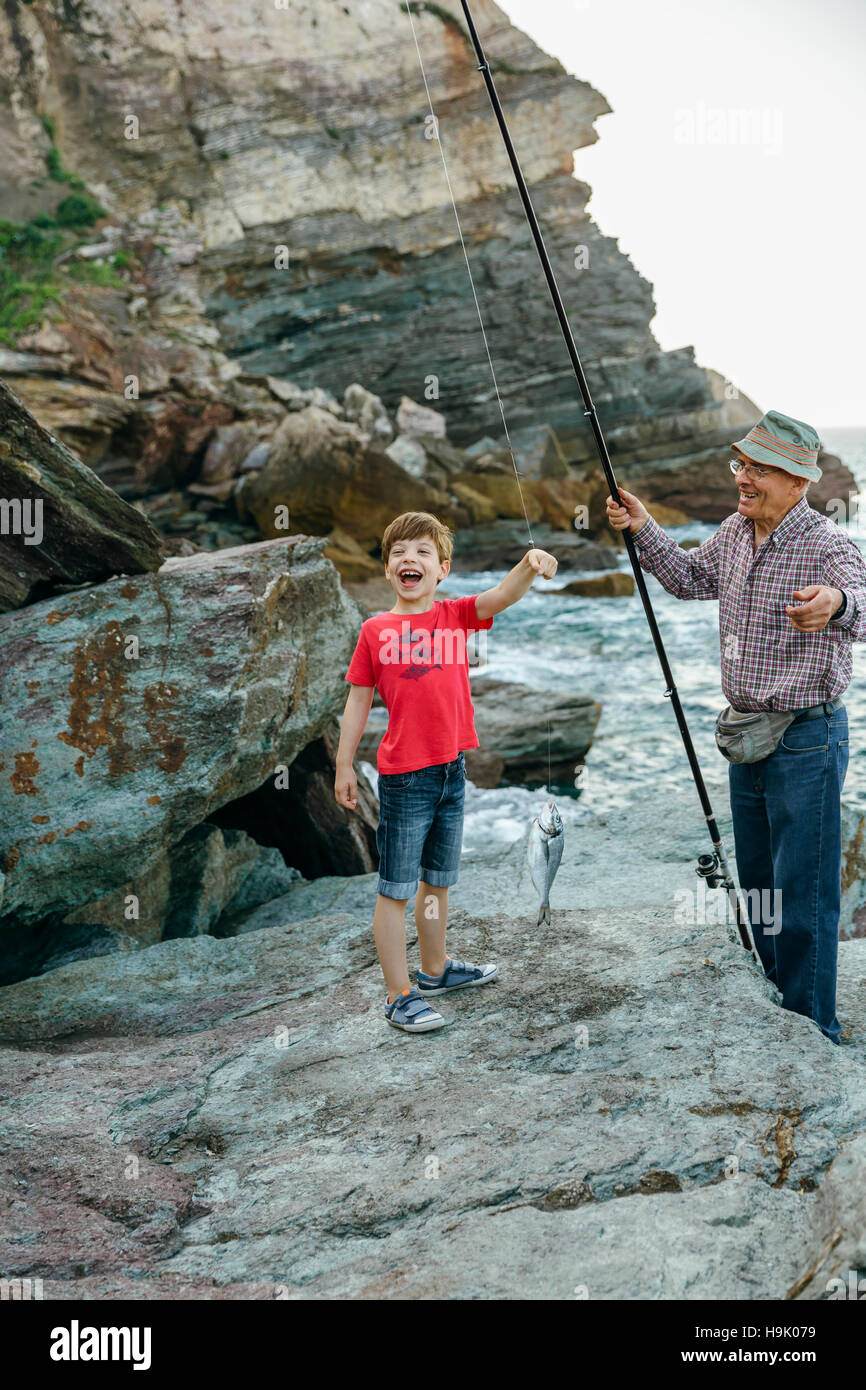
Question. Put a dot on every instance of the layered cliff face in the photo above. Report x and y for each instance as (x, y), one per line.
(215, 136)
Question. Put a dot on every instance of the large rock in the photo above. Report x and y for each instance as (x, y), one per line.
(367, 411)
(532, 734)
(616, 584)
(134, 709)
(503, 543)
(185, 893)
(64, 525)
(626, 1111)
(304, 822)
(351, 559)
(328, 475)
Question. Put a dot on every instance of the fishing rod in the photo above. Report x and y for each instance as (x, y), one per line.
(711, 867)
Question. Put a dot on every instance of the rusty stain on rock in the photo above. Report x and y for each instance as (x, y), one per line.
(159, 717)
(154, 800)
(48, 838)
(130, 591)
(22, 779)
(82, 825)
(55, 616)
(79, 765)
(12, 857)
(97, 688)
(41, 820)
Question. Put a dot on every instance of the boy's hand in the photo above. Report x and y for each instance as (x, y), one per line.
(631, 516)
(541, 562)
(346, 788)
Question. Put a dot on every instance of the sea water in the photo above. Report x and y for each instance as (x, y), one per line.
(602, 647)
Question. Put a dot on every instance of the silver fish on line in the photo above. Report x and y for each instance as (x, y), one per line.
(546, 839)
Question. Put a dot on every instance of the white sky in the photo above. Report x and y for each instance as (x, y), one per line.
(755, 247)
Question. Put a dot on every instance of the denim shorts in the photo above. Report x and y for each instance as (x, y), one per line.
(420, 831)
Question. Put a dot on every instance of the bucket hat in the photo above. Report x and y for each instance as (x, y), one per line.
(782, 442)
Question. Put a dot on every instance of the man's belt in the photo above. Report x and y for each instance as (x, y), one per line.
(824, 710)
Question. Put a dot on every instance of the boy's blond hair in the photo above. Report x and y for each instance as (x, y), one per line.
(410, 526)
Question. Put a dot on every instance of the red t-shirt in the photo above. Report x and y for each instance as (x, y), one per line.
(417, 662)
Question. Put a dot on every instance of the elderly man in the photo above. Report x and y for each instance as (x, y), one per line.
(792, 598)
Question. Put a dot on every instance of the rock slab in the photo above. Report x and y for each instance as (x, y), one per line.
(61, 524)
(136, 708)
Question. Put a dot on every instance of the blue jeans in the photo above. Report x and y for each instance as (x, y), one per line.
(420, 827)
(788, 840)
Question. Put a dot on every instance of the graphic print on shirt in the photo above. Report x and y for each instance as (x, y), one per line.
(417, 666)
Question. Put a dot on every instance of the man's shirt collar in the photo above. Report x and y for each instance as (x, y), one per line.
(793, 522)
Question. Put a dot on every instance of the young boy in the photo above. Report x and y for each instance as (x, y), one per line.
(415, 655)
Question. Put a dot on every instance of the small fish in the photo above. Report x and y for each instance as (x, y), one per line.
(415, 671)
(546, 839)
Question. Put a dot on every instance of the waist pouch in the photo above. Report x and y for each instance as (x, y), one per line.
(747, 736)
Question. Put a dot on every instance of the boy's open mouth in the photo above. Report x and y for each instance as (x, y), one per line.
(409, 577)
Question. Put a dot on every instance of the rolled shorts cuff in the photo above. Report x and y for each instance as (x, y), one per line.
(439, 878)
(397, 890)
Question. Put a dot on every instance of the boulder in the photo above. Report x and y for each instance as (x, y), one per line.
(539, 452)
(295, 397)
(184, 893)
(666, 516)
(503, 493)
(484, 768)
(329, 476)
(697, 1123)
(256, 458)
(427, 457)
(270, 877)
(134, 709)
(302, 819)
(352, 560)
(419, 420)
(480, 508)
(617, 584)
(226, 452)
(501, 544)
(515, 721)
(374, 595)
(61, 524)
(561, 501)
(368, 412)
(409, 454)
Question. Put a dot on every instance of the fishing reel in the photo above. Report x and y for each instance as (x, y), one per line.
(710, 869)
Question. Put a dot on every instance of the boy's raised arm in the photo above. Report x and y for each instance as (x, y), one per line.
(515, 584)
(351, 728)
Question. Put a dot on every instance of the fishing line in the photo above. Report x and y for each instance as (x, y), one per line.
(438, 135)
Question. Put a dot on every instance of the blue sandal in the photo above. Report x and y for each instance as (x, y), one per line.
(410, 1013)
(458, 974)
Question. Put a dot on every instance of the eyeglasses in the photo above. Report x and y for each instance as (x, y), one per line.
(751, 470)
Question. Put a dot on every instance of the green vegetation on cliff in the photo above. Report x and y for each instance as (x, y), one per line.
(31, 280)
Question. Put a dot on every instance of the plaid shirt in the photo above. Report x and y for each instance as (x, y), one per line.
(766, 663)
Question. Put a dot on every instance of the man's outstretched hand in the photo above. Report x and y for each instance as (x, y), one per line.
(817, 606)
